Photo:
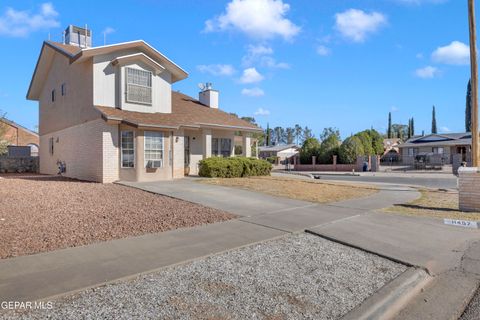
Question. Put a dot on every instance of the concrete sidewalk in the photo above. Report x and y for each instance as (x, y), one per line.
(262, 217)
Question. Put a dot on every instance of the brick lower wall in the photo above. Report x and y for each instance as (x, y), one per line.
(469, 189)
(89, 150)
(324, 167)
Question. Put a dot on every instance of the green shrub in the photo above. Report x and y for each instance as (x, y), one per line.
(272, 159)
(218, 167)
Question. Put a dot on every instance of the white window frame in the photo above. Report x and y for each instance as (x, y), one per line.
(127, 85)
(122, 149)
(162, 150)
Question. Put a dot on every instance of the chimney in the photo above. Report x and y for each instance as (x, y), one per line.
(208, 96)
(76, 36)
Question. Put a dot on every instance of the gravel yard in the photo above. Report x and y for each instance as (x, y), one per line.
(298, 276)
(472, 312)
(43, 213)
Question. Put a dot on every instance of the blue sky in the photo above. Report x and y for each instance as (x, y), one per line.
(321, 63)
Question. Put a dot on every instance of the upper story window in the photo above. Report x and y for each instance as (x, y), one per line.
(64, 89)
(53, 95)
(138, 86)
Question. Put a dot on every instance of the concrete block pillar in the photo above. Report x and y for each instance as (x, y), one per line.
(469, 189)
(207, 143)
(246, 145)
(314, 161)
(359, 164)
(334, 162)
(375, 165)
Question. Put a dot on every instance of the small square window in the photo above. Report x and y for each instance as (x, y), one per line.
(64, 89)
(53, 95)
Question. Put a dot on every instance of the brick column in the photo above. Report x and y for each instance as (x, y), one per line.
(334, 162)
(469, 189)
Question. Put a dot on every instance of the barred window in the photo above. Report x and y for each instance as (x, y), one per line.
(153, 154)
(128, 149)
(138, 86)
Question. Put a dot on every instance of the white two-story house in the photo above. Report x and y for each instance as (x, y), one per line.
(108, 113)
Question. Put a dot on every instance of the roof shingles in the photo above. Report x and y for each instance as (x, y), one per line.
(186, 112)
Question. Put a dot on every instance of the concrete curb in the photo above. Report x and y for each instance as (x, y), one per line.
(391, 298)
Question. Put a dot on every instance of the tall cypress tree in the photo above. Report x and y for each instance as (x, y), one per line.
(468, 109)
(267, 134)
(389, 132)
(409, 128)
(413, 127)
(434, 121)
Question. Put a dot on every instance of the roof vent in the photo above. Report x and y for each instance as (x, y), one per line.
(76, 36)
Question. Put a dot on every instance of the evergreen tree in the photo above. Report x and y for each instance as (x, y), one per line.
(298, 134)
(268, 136)
(468, 109)
(389, 132)
(413, 127)
(409, 128)
(434, 121)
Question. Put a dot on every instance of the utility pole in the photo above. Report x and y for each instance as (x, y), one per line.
(474, 81)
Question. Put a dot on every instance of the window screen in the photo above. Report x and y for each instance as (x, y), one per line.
(128, 149)
(226, 147)
(153, 149)
(139, 86)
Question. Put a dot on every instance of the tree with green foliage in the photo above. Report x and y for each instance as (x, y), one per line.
(389, 131)
(350, 149)
(298, 134)
(434, 121)
(289, 135)
(399, 131)
(307, 133)
(278, 135)
(468, 109)
(329, 146)
(409, 128)
(268, 136)
(377, 141)
(366, 141)
(310, 148)
(412, 127)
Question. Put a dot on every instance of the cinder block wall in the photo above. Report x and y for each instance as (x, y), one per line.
(469, 189)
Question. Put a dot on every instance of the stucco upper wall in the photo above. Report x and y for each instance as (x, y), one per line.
(76, 106)
(109, 84)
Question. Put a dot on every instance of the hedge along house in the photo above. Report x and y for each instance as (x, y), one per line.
(108, 113)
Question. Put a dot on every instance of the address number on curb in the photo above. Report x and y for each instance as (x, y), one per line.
(462, 223)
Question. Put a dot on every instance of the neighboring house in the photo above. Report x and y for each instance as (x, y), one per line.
(446, 145)
(391, 145)
(282, 152)
(108, 113)
(17, 135)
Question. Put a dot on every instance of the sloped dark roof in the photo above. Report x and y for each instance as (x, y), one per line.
(186, 112)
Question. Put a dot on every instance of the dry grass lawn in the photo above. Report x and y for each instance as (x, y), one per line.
(314, 191)
(436, 204)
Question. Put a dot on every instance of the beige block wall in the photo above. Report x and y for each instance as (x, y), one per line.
(178, 154)
(89, 151)
(469, 189)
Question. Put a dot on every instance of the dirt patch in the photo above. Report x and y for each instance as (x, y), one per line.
(42, 213)
(313, 191)
(437, 204)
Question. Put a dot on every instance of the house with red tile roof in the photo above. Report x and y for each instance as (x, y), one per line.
(108, 113)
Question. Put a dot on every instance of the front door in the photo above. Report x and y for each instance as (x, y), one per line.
(187, 155)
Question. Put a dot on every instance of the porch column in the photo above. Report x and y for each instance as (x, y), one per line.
(246, 145)
(207, 143)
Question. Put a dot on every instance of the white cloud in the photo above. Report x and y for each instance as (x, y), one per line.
(356, 24)
(260, 19)
(108, 30)
(262, 55)
(253, 92)
(251, 75)
(445, 129)
(217, 69)
(15, 23)
(394, 109)
(456, 53)
(419, 55)
(427, 72)
(323, 50)
(262, 112)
